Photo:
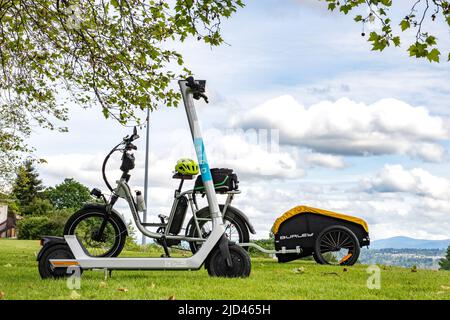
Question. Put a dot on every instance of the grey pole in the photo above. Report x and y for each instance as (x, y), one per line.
(146, 172)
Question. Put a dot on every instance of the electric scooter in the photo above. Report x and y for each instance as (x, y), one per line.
(220, 256)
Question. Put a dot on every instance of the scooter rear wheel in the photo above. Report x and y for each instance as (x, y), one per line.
(241, 264)
(59, 251)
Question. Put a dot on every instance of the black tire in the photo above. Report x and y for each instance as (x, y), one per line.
(230, 218)
(336, 245)
(315, 258)
(58, 251)
(112, 243)
(217, 266)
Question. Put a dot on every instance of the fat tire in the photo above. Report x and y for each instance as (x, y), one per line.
(217, 265)
(119, 228)
(318, 256)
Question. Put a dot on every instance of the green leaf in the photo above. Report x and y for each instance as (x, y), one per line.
(105, 113)
(345, 9)
(115, 3)
(431, 40)
(373, 36)
(358, 18)
(418, 50)
(396, 41)
(405, 25)
(433, 55)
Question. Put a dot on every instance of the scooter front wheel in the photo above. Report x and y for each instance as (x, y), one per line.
(217, 264)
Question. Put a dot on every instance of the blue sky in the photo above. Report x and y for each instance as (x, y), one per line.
(361, 132)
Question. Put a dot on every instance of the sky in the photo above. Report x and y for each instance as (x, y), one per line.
(305, 113)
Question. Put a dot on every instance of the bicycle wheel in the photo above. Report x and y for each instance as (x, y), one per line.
(235, 228)
(85, 224)
(337, 245)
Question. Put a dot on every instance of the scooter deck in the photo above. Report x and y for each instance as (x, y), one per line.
(83, 260)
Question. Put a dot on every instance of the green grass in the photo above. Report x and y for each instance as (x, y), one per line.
(19, 279)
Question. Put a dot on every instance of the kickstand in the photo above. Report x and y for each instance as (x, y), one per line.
(166, 248)
(107, 273)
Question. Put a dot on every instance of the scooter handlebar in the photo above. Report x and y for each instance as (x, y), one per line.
(198, 88)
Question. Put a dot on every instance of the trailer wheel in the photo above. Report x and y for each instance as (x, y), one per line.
(217, 265)
(316, 259)
(336, 245)
(59, 251)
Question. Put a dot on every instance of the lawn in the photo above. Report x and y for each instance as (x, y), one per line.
(19, 279)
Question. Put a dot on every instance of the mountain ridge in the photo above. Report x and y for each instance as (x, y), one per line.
(401, 242)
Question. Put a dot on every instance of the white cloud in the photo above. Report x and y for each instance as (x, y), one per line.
(325, 160)
(250, 158)
(395, 178)
(415, 85)
(345, 127)
(405, 79)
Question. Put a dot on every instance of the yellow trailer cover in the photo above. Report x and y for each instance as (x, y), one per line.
(305, 209)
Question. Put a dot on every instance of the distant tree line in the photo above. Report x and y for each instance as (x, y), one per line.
(43, 210)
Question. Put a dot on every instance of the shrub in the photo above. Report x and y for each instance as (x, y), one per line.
(34, 227)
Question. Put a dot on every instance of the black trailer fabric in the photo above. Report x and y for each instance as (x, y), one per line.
(300, 226)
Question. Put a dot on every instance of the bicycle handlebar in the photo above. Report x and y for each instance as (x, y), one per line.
(134, 136)
(128, 145)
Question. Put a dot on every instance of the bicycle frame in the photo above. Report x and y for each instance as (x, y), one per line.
(193, 206)
(123, 191)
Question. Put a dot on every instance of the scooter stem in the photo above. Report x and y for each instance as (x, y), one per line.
(205, 171)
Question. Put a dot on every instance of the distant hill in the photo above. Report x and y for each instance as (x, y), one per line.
(409, 243)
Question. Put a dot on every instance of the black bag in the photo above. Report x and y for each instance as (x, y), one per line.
(224, 181)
